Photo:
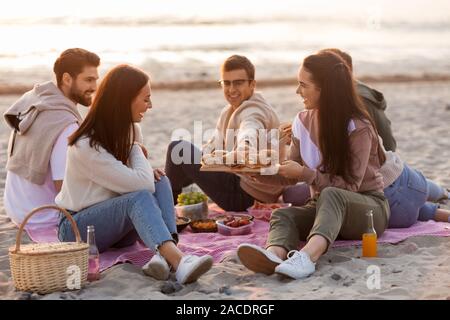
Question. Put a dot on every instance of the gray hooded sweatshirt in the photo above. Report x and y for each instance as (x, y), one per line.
(37, 119)
(376, 105)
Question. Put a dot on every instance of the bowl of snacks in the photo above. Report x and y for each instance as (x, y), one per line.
(227, 215)
(263, 211)
(234, 225)
(192, 205)
(182, 222)
(204, 225)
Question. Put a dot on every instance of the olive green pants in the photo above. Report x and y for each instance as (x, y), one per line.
(336, 212)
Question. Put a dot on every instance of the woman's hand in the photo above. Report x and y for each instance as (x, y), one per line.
(290, 169)
(159, 173)
(143, 148)
(285, 140)
(285, 131)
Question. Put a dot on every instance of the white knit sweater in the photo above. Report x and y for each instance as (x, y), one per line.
(391, 169)
(94, 176)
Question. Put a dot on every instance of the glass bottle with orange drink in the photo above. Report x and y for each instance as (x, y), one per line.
(369, 238)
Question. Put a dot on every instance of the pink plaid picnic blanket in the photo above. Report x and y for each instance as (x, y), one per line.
(220, 246)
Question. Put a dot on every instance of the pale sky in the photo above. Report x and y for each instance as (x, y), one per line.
(421, 9)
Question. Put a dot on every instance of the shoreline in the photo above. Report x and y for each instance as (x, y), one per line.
(18, 89)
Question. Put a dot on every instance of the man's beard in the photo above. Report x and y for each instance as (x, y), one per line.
(80, 97)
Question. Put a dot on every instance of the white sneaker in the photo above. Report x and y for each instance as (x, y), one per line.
(297, 266)
(258, 259)
(157, 267)
(192, 267)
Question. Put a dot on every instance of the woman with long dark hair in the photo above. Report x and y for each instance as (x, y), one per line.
(411, 196)
(335, 150)
(110, 184)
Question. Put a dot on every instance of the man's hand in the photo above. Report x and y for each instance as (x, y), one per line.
(159, 173)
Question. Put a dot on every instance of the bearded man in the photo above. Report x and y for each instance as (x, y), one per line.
(41, 121)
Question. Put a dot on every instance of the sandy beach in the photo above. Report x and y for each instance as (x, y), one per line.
(418, 268)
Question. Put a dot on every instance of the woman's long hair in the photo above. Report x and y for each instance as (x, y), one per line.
(109, 121)
(338, 104)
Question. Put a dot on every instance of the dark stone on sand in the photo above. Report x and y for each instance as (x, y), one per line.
(68, 296)
(171, 287)
(226, 290)
(347, 284)
(336, 277)
(24, 296)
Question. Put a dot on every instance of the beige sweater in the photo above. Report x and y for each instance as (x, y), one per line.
(94, 176)
(252, 115)
(37, 120)
(392, 168)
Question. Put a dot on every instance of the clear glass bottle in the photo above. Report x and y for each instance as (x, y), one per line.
(94, 256)
(369, 238)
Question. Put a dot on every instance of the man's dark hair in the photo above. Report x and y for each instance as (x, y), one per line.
(236, 62)
(73, 61)
(342, 54)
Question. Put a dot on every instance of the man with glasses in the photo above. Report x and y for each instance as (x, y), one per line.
(247, 115)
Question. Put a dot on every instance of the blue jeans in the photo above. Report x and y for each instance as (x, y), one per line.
(408, 198)
(122, 220)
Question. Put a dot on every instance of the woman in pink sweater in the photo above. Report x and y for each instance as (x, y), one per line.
(335, 150)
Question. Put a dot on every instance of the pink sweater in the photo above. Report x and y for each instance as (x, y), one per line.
(364, 148)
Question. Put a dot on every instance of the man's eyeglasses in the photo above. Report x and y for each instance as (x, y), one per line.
(235, 83)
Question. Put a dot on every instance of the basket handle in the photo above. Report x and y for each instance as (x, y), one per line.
(68, 216)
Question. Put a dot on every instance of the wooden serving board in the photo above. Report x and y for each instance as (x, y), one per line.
(223, 168)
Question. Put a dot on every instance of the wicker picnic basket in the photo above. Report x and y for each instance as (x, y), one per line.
(49, 267)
